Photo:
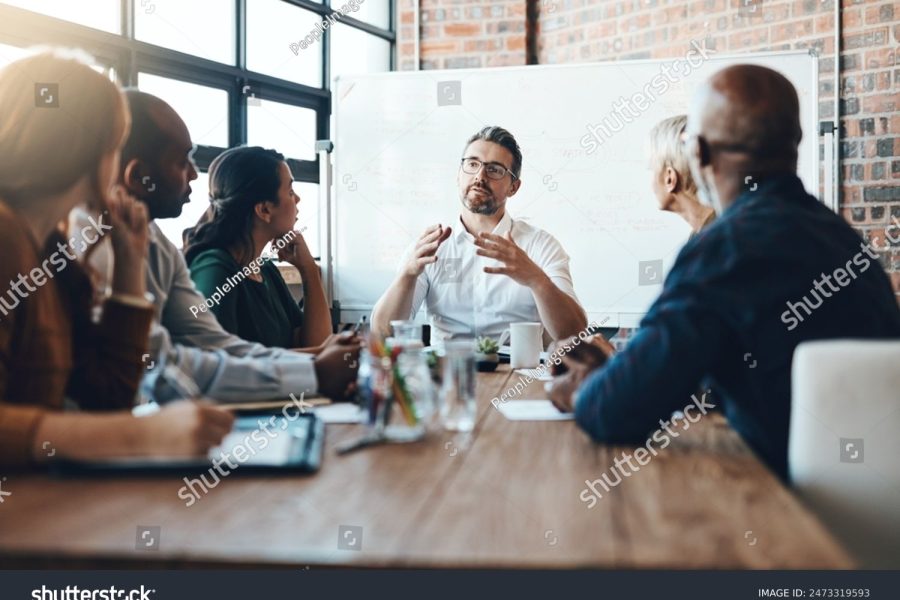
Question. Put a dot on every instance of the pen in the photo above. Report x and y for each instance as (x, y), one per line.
(359, 325)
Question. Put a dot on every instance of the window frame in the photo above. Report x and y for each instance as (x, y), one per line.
(129, 56)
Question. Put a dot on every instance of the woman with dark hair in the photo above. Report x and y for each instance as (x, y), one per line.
(252, 203)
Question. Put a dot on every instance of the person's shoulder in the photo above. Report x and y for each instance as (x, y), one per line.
(211, 267)
(271, 271)
(213, 257)
(528, 229)
(535, 238)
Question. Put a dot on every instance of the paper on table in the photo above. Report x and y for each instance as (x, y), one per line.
(342, 412)
(536, 374)
(532, 410)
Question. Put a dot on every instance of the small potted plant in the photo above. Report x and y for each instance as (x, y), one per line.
(486, 359)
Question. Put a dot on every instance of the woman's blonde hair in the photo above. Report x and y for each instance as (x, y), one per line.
(667, 150)
(58, 119)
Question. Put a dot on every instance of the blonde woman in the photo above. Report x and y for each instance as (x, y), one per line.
(673, 184)
(60, 136)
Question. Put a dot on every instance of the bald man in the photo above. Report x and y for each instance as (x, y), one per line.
(775, 269)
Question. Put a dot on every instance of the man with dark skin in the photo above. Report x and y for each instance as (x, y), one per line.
(720, 320)
(157, 168)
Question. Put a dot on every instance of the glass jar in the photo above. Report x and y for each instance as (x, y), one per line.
(397, 391)
(458, 407)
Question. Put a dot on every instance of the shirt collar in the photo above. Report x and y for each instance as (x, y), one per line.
(155, 232)
(505, 224)
(776, 184)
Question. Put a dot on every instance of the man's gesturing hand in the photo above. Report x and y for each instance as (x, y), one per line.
(516, 263)
(426, 249)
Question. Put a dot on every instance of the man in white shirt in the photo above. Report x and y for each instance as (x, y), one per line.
(487, 270)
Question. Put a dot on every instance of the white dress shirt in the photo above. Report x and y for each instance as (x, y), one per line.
(463, 301)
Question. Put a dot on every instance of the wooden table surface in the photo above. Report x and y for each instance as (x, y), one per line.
(506, 495)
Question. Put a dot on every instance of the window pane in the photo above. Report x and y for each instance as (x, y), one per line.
(204, 109)
(103, 14)
(173, 228)
(274, 32)
(354, 51)
(203, 28)
(288, 129)
(374, 12)
(308, 220)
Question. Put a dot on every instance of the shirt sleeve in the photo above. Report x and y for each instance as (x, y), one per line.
(553, 260)
(109, 363)
(18, 424)
(107, 356)
(18, 427)
(625, 401)
(208, 274)
(228, 378)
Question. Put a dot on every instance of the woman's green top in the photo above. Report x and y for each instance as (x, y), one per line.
(263, 312)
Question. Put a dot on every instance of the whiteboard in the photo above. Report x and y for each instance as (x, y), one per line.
(399, 137)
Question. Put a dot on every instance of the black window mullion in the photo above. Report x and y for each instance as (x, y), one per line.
(237, 105)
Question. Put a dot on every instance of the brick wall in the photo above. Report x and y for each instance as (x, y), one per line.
(457, 34)
(462, 33)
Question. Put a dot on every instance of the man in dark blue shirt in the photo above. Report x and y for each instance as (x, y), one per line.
(777, 268)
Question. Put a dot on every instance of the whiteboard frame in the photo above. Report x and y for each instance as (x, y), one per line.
(352, 312)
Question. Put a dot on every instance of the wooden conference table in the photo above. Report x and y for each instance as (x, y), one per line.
(506, 495)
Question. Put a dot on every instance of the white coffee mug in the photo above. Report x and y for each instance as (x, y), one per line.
(525, 345)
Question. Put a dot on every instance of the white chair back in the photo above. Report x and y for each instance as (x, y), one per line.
(844, 454)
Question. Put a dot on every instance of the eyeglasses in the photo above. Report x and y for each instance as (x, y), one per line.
(492, 170)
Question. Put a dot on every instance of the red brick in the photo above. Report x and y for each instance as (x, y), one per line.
(881, 13)
(851, 18)
(515, 43)
(428, 47)
(879, 103)
(463, 29)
